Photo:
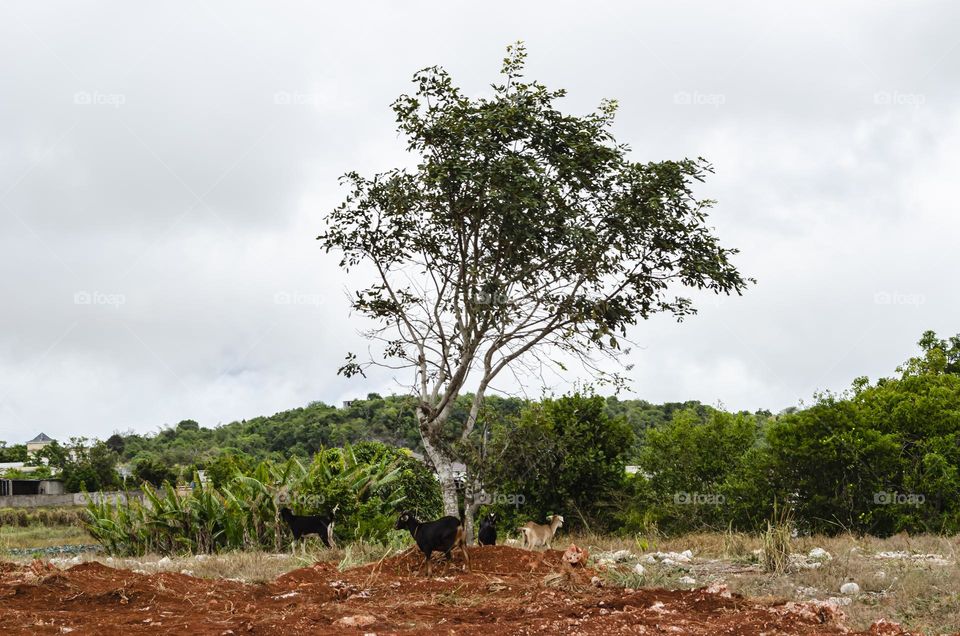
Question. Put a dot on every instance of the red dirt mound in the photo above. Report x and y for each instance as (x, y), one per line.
(508, 591)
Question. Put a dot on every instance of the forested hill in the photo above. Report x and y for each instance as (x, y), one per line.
(303, 431)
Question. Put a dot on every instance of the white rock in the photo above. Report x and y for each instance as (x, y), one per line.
(819, 554)
(839, 600)
(622, 555)
(286, 595)
(187, 572)
(670, 558)
(850, 588)
(164, 561)
(639, 570)
(688, 580)
(719, 588)
(933, 559)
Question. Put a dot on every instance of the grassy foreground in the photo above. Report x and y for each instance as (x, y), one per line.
(910, 580)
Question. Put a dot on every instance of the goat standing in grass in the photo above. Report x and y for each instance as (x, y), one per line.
(536, 534)
(488, 530)
(442, 535)
(302, 525)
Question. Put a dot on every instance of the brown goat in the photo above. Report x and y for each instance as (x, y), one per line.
(536, 534)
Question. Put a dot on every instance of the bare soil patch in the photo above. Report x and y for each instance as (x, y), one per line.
(509, 591)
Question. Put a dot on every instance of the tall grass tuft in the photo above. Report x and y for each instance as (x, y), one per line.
(776, 541)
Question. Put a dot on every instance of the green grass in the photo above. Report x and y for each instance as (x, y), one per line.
(41, 536)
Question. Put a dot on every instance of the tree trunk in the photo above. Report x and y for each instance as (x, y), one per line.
(470, 506)
(442, 463)
(448, 488)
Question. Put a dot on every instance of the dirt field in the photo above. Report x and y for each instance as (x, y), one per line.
(509, 591)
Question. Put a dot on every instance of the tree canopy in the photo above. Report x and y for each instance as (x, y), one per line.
(522, 234)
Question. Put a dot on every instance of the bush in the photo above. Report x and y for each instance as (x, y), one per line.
(243, 512)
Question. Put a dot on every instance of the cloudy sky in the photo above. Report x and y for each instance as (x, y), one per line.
(164, 172)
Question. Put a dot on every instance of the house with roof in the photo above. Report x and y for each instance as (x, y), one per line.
(39, 442)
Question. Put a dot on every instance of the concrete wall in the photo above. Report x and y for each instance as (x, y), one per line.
(70, 499)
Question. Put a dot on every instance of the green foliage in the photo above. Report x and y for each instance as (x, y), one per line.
(881, 460)
(14, 453)
(563, 456)
(685, 464)
(153, 471)
(83, 465)
(243, 511)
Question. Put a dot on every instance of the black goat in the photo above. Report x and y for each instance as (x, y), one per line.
(442, 535)
(302, 525)
(488, 530)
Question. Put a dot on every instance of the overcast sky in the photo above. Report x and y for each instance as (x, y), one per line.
(164, 172)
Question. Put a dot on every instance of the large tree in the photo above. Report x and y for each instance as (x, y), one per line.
(523, 237)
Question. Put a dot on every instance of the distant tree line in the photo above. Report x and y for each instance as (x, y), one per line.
(880, 458)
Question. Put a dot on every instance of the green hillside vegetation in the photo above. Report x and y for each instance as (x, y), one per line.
(881, 458)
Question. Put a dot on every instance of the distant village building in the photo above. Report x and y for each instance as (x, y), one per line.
(39, 442)
(31, 487)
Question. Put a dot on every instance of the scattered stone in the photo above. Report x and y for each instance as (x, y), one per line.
(839, 600)
(359, 620)
(688, 580)
(164, 561)
(670, 558)
(618, 556)
(933, 559)
(639, 570)
(819, 554)
(286, 595)
(801, 562)
(720, 589)
(883, 627)
(850, 588)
